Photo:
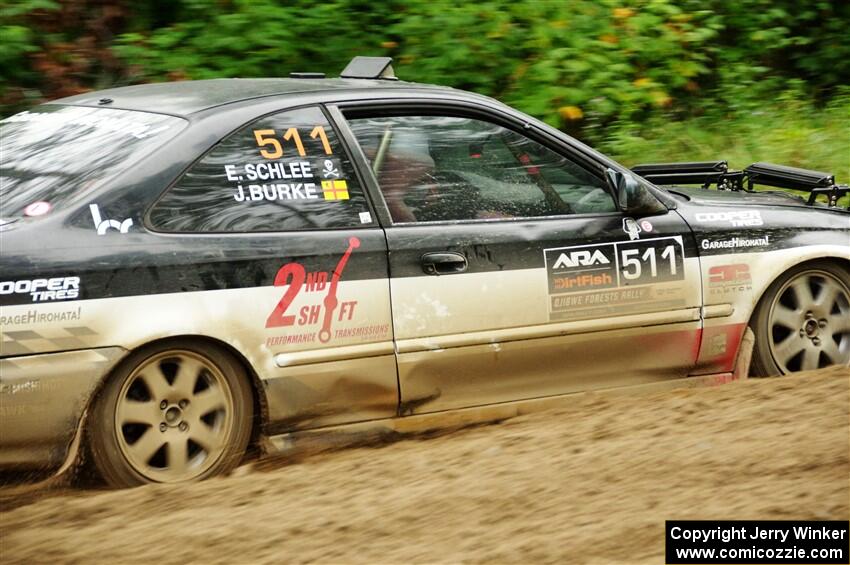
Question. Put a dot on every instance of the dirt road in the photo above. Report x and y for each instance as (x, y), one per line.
(593, 482)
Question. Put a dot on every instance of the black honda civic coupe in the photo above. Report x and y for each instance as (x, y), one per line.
(191, 267)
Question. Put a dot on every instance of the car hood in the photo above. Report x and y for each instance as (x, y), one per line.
(738, 198)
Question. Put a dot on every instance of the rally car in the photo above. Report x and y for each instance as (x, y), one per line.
(191, 267)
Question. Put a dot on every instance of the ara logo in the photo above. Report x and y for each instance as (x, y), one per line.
(103, 226)
(581, 259)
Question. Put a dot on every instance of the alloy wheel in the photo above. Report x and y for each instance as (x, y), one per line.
(174, 416)
(809, 322)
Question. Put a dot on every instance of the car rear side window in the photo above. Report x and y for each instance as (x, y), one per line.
(444, 168)
(54, 154)
(282, 172)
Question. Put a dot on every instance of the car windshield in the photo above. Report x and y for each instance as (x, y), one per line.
(53, 154)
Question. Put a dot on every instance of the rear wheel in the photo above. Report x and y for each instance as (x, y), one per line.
(803, 321)
(176, 411)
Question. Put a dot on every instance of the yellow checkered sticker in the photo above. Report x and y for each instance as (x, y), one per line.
(335, 189)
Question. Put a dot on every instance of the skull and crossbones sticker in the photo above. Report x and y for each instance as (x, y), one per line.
(330, 171)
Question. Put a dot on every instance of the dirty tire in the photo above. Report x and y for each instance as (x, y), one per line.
(803, 321)
(175, 411)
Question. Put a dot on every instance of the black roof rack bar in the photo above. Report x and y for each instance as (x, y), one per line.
(781, 176)
(686, 167)
(816, 183)
(682, 178)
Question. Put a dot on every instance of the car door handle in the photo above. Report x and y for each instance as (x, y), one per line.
(443, 263)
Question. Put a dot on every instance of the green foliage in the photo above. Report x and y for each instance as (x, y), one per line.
(574, 64)
(253, 38)
(614, 62)
(560, 61)
(789, 131)
(52, 49)
(632, 75)
(788, 38)
(17, 45)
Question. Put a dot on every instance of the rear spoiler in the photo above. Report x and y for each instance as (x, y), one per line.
(706, 173)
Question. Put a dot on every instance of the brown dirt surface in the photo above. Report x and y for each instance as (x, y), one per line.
(591, 482)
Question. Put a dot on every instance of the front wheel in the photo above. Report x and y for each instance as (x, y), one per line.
(173, 412)
(803, 321)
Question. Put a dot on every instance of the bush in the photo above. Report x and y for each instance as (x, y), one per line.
(596, 68)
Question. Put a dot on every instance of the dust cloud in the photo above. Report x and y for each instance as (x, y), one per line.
(592, 482)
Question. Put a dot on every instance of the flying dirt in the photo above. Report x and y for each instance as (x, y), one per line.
(591, 482)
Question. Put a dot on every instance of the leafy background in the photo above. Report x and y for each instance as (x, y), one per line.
(643, 80)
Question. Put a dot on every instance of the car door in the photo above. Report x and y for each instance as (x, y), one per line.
(274, 219)
(512, 272)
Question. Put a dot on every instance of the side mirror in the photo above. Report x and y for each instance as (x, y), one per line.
(632, 197)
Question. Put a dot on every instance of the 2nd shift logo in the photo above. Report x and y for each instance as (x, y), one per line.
(293, 276)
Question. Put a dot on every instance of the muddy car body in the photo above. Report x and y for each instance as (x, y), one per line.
(259, 258)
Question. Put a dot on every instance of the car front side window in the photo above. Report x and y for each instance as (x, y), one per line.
(282, 172)
(444, 168)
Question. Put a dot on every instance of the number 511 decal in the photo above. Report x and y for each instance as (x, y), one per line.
(294, 275)
(266, 138)
(648, 261)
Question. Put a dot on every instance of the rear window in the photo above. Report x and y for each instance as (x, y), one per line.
(283, 172)
(53, 154)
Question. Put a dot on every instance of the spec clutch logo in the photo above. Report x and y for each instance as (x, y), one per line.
(44, 290)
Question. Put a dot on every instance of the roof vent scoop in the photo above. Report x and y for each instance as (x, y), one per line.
(370, 67)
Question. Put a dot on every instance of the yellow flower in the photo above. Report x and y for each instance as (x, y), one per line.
(389, 44)
(608, 38)
(660, 98)
(623, 13)
(571, 112)
(641, 82)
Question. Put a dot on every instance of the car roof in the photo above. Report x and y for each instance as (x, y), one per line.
(188, 97)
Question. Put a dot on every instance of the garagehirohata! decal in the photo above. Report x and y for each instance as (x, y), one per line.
(325, 311)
